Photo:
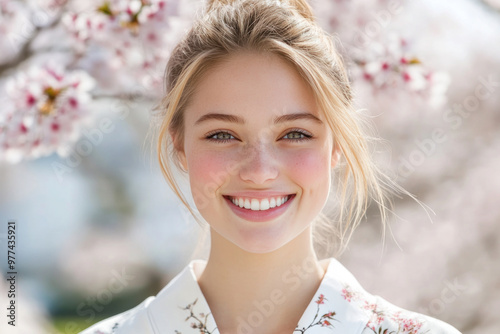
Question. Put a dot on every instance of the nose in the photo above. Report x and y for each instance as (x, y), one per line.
(258, 164)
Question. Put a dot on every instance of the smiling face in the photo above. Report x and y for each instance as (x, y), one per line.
(242, 142)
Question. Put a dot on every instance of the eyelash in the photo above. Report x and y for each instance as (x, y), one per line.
(221, 141)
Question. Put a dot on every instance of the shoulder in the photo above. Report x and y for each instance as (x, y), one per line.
(387, 318)
(134, 320)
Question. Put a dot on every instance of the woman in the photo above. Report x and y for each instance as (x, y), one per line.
(258, 114)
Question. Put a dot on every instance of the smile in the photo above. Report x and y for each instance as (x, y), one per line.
(259, 210)
(263, 204)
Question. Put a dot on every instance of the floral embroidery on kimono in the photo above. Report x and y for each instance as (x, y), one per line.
(200, 321)
(339, 306)
(325, 320)
(384, 317)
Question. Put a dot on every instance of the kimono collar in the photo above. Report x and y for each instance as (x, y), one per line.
(181, 308)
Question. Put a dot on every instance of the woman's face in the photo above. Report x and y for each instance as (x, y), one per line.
(254, 133)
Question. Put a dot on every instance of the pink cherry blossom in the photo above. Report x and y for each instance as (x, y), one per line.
(45, 108)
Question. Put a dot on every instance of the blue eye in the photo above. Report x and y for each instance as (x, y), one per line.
(296, 135)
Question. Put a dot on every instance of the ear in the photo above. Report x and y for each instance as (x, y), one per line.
(179, 151)
(336, 153)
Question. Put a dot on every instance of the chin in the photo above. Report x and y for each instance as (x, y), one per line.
(261, 244)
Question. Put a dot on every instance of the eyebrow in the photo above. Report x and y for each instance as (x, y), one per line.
(277, 120)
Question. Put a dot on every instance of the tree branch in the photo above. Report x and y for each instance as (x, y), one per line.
(26, 51)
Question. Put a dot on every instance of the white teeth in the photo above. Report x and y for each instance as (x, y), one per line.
(256, 205)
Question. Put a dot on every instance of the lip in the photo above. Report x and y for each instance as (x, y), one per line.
(258, 215)
(258, 194)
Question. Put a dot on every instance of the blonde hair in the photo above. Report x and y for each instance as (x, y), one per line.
(286, 29)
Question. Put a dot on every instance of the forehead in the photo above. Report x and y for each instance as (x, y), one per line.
(252, 84)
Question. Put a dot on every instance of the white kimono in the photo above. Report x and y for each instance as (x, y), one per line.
(340, 306)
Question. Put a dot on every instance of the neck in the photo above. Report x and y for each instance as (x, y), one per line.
(236, 284)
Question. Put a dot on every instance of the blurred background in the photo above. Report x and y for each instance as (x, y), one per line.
(98, 229)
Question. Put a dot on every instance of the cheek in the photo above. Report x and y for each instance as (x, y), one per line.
(203, 166)
(308, 167)
(208, 171)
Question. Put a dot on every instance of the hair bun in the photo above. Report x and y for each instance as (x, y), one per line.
(303, 8)
(300, 6)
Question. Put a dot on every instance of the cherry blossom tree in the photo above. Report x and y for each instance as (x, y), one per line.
(60, 56)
